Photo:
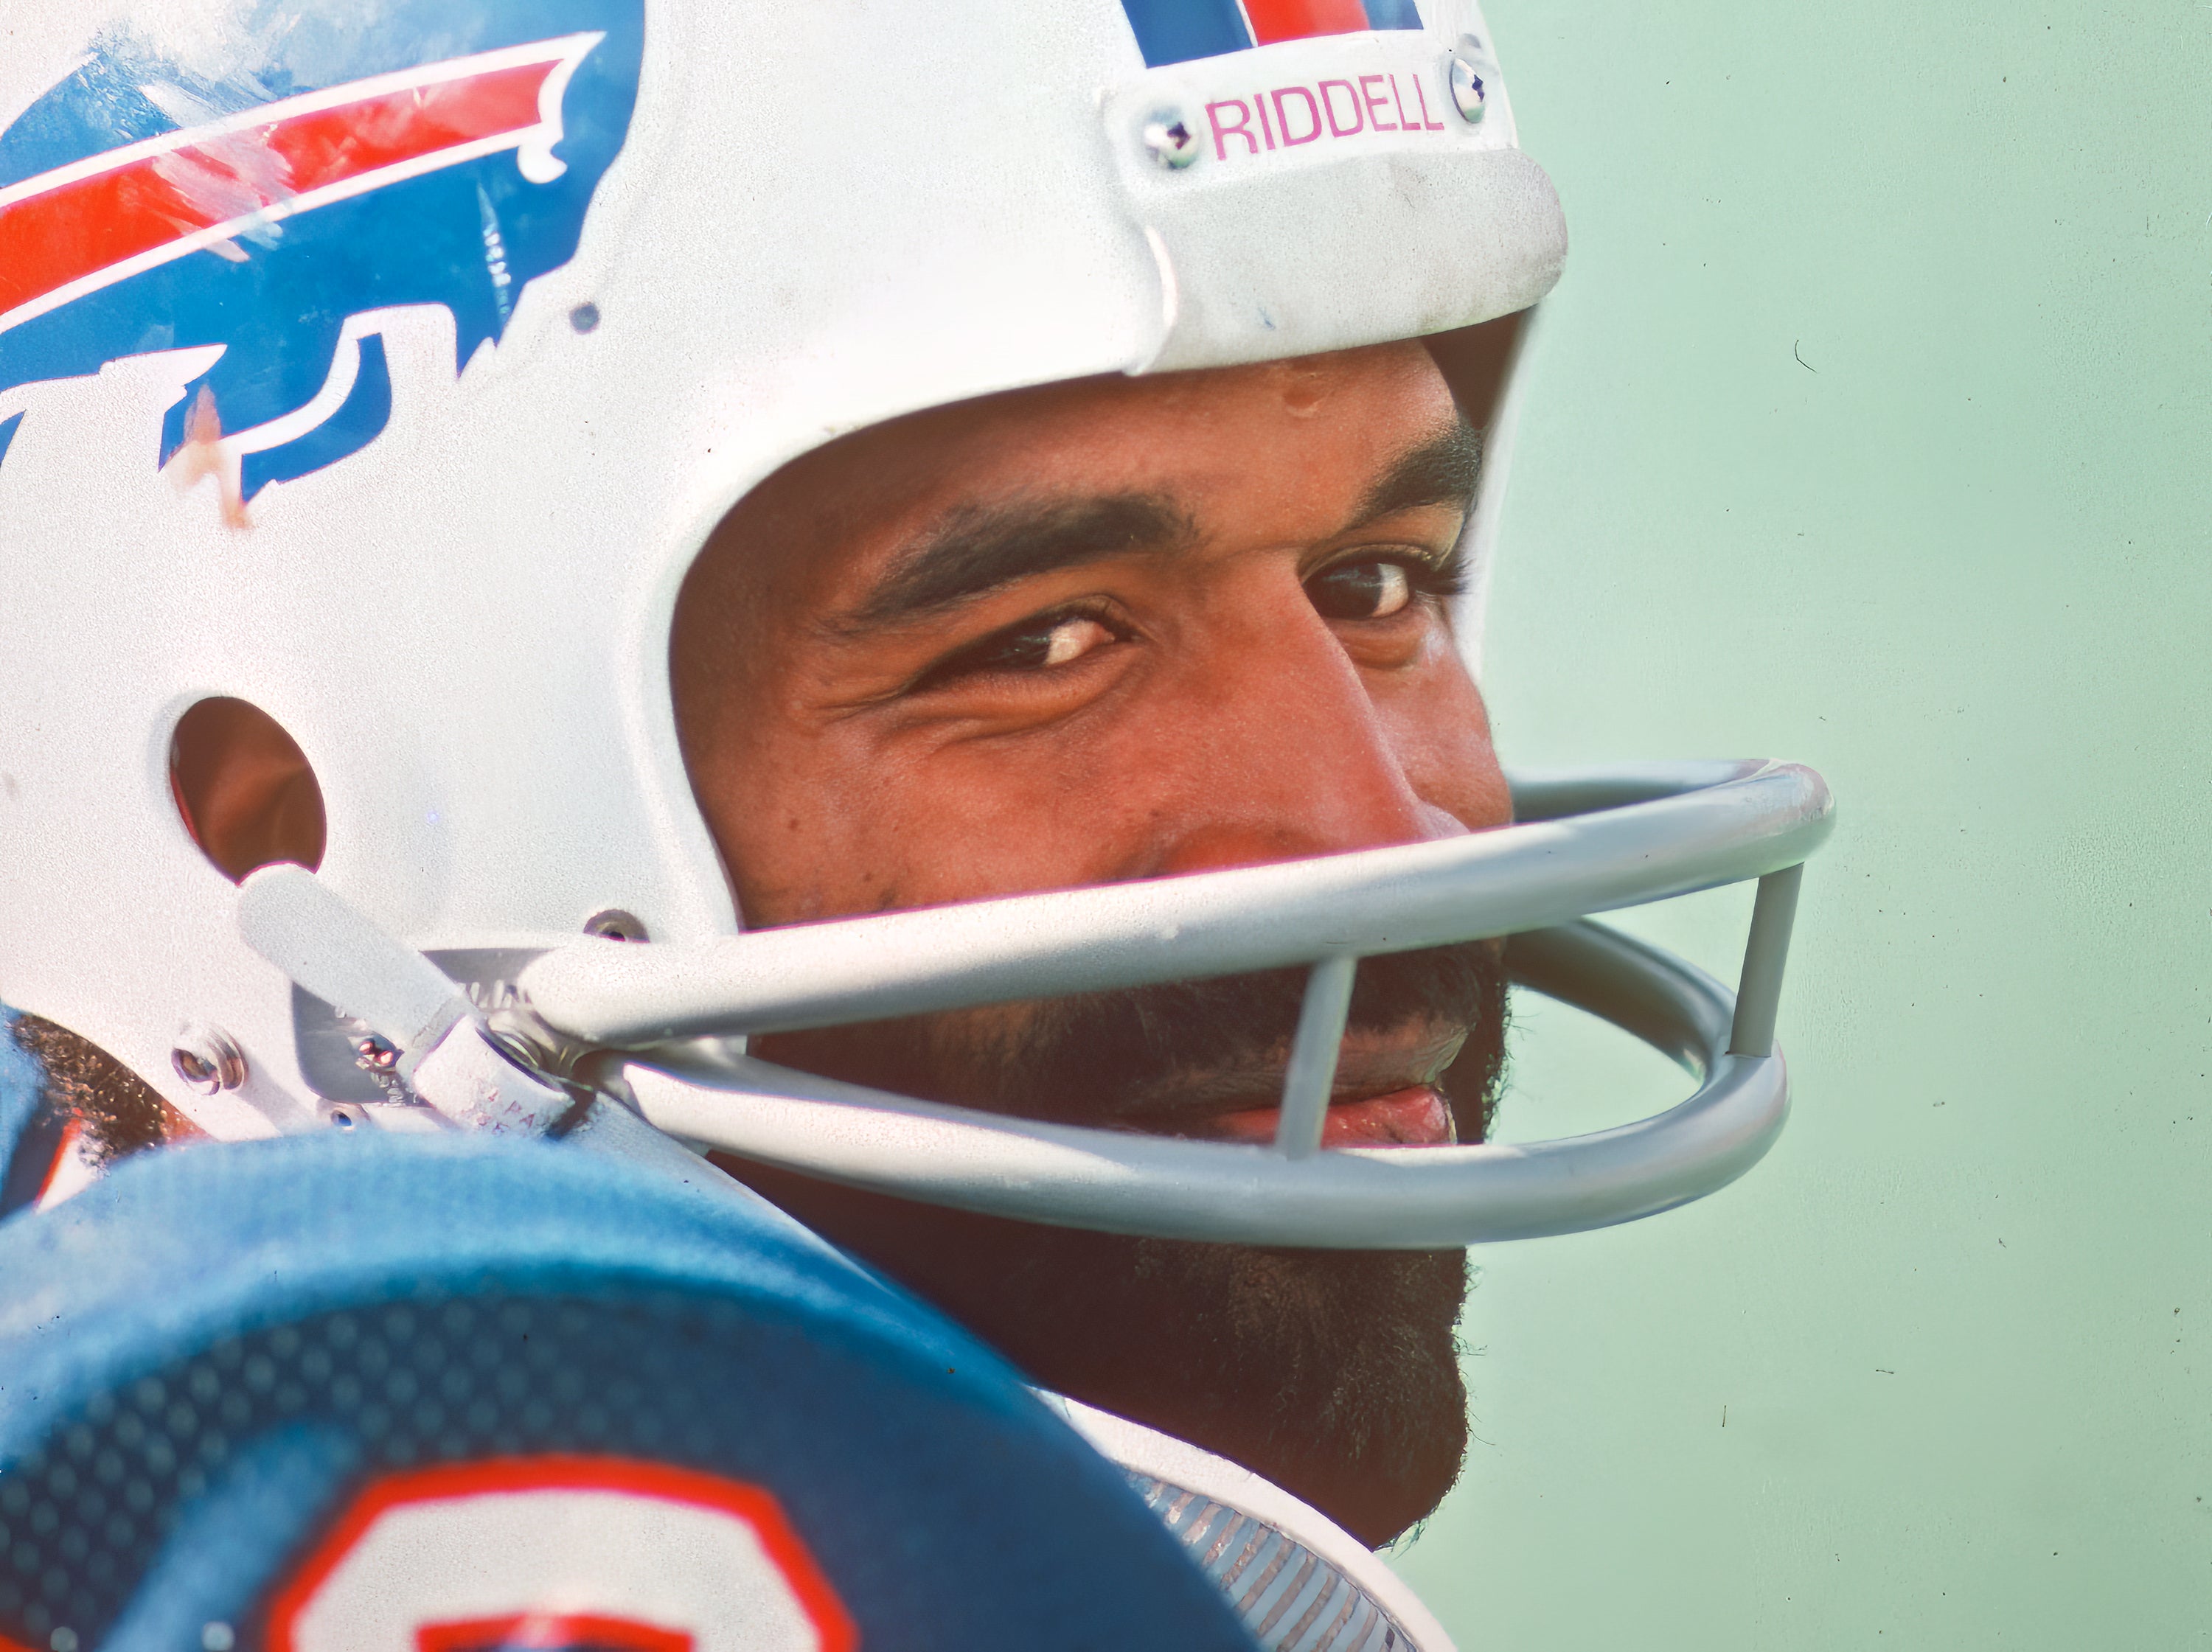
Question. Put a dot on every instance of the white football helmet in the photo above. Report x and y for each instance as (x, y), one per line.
(385, 368)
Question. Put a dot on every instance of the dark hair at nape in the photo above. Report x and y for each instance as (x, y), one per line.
(120, 1113)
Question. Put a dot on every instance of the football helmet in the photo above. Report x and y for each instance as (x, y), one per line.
(383, 370)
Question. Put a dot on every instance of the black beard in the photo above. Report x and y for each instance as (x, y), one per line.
(1334, 1373)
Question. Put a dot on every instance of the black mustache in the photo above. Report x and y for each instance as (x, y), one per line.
(1090, 1058)
(1112, 1058)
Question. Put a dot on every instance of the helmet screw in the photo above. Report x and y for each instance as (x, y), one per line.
(376, 1055)
(1169, 139)
(616, 925)
(208, 1059)
(1470, 92)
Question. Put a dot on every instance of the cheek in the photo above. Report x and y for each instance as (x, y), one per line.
(851, 818)
(840, 821)
(1439, 728)
(795, 848)
(1049, 808)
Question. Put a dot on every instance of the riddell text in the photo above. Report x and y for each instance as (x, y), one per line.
(1291, 115)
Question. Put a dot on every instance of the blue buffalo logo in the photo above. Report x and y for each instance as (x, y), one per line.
(344, 162)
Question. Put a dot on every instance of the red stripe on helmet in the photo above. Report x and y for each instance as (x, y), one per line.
(85, 221)
(1299, 19)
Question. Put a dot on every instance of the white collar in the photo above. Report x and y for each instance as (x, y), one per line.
(1163, 1457)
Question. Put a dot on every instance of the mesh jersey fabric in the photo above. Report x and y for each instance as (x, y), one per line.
(205, 1353)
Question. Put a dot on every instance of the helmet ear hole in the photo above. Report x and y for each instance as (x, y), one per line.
(247, 791)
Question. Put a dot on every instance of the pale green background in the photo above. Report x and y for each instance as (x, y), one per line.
(1959, 562)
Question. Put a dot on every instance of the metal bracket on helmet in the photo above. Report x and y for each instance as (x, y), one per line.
(1590, 842)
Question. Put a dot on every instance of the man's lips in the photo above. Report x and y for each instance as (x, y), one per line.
(1416, 1116)
(1386, 1095)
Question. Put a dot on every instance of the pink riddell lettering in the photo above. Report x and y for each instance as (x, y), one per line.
(1408, 125)
(1265, 130)
(1358, 115)
(1283, 120)
(1374, 105)
(1427, 124)
(1240, 129)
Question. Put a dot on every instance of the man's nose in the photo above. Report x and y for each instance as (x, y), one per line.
(1283, 752)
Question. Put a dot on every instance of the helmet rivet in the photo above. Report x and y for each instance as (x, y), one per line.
(1169, 139)
(376, 1055)
(208, 1059)
(1470, 86)
(616, 925)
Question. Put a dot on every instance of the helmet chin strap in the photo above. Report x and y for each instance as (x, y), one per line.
(636, 1043)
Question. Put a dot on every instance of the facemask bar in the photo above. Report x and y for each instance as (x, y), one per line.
(1590, 842)
(1586, 843)
(650, 1025)
(1364, 1199)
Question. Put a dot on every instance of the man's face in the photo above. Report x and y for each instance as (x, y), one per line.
(1127, 628)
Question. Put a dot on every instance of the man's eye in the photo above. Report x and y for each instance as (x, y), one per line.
(1360, 591)
(1038, 646)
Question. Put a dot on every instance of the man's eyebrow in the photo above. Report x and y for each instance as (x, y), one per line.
(979, 547)
(976, 548)
(1442, 471)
